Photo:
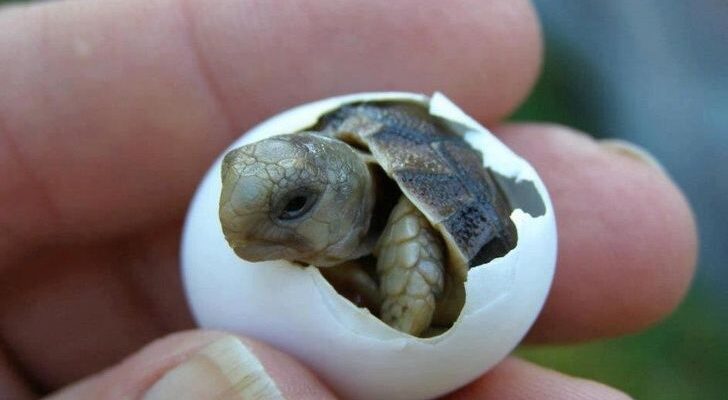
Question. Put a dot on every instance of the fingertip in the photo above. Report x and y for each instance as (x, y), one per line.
(669, 221)
(202, 364)
(501, 74)
(627, 236)
(295, 380)
(515, 379)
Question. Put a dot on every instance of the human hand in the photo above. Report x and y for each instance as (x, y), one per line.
(111, 112)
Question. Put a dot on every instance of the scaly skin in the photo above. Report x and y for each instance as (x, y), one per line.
(309, 197)
(259, 179)
(410, 264)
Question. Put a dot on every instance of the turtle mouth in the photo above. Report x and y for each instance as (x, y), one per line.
(260, 250)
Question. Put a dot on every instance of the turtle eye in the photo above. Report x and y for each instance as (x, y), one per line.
(296, 206)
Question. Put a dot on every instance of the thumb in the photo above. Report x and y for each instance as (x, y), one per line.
(201, 365)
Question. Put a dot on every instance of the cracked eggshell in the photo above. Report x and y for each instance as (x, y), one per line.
(297, 311)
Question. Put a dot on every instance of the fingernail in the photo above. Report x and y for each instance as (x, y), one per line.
(632, 151)
(224, 369)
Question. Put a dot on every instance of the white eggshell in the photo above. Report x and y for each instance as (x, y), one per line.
(297, 311)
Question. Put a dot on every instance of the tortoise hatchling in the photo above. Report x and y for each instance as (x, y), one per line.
(392, 206)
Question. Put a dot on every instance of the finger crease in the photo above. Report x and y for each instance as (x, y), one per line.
(203, 66)
(12, 369)
(38, 187)
(132, 254)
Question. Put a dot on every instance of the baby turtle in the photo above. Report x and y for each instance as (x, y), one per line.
(389, 203)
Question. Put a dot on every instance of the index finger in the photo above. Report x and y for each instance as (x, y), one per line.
(110, 112)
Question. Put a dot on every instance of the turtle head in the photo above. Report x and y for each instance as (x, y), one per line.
(299, 197)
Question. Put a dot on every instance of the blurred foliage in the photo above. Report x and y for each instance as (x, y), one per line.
(13, 1)
(685, 356)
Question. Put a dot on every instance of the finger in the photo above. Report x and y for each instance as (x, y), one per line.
(201, 365)
(627, 238)
(110, 112)
(102, 302)
(515, 379)
(12, 385)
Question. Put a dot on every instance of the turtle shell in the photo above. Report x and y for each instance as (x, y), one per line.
(438, 171)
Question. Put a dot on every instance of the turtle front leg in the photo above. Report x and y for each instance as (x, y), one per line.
(410, 265)
(353, 281)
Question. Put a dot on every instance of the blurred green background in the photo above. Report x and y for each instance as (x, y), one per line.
(686, 355)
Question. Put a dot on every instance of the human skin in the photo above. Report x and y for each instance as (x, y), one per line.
(110, 112)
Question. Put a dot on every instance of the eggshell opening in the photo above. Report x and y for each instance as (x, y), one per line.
(296, 310)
